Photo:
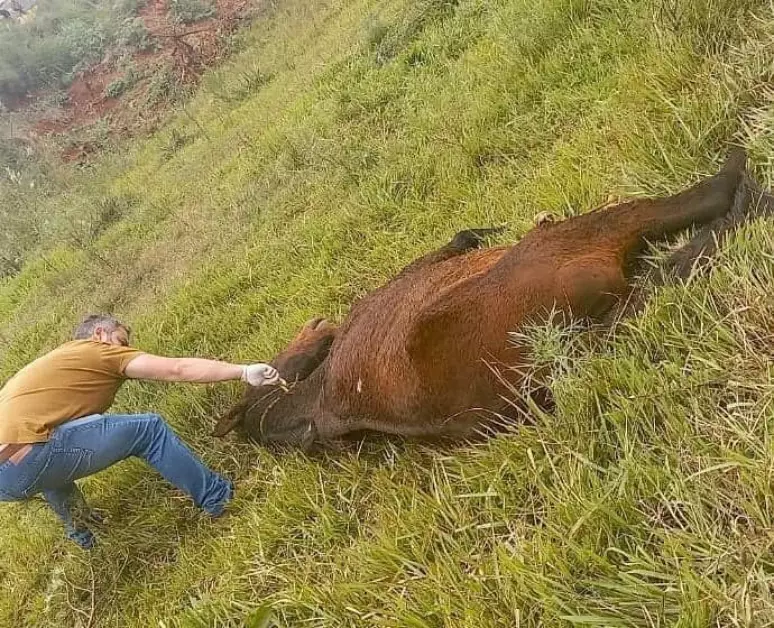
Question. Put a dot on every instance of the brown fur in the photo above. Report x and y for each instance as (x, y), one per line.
(428, 353)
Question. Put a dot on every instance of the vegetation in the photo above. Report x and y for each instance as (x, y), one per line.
(134, 35)
(644, 500)
(163, 85)
(122, 83)
(190, 11)
(62, 38)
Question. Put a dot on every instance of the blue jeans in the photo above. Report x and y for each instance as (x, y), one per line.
(85, 446)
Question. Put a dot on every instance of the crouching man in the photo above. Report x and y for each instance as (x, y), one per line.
(53, 429)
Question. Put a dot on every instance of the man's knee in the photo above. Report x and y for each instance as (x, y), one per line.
(156, 424)
(151, 434)
(155, 420)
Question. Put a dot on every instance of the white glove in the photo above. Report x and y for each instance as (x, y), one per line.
(260, 374)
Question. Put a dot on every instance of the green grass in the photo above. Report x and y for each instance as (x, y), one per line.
(343, 141)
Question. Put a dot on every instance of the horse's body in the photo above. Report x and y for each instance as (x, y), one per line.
(428, 353)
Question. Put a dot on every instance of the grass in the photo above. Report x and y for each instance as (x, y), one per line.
(643, 501)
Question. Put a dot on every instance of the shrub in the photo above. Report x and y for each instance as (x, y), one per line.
(46, 52)
(190, 11)
(134, 35)
(121, 84)
(162, 86)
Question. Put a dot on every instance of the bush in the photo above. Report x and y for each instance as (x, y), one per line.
(82, 42)
(116, 88)
(46, 52)
(134, 35)
(122, 84)
(190, 11)
(15, 154)
(162, 85)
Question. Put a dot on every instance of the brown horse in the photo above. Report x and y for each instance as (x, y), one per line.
(427, 355)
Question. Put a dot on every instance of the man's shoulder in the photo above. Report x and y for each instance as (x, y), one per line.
(94, 354)
(73, 344)
(68, 353)
(77, 346)
(115, 357)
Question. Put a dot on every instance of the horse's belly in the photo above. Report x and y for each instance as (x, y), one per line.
(370, 375)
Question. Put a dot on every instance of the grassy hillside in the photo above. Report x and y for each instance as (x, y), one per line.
(345, 140)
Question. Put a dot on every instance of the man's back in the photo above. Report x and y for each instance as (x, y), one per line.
(77, 379)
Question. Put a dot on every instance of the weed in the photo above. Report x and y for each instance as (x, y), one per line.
(238, 87)
(176, 141)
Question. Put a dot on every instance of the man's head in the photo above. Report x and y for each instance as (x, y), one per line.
(103, 328)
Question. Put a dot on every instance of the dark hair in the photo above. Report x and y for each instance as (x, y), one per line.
(86, 328)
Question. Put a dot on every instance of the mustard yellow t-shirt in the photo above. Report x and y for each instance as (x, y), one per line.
(74, 380)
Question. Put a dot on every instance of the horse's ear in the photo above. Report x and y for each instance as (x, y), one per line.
(229, 421)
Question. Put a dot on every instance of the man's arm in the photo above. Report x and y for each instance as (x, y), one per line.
(155, 367)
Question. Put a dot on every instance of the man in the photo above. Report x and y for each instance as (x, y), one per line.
(53, 429)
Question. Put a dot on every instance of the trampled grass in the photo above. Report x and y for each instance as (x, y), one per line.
(346, 139)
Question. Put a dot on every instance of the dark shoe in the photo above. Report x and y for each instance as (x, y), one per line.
(83, 537)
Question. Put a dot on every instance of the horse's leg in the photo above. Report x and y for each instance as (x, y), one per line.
(701, 204)
(626, 228)
(750, 202)
(461, 243)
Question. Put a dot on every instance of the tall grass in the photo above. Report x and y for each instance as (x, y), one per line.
(375, 131)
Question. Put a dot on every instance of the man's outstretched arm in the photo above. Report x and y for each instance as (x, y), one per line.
(199, 370)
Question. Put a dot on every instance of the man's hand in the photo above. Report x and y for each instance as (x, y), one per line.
(260, 374)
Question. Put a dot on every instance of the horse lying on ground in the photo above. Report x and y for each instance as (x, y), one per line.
(427, 355)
